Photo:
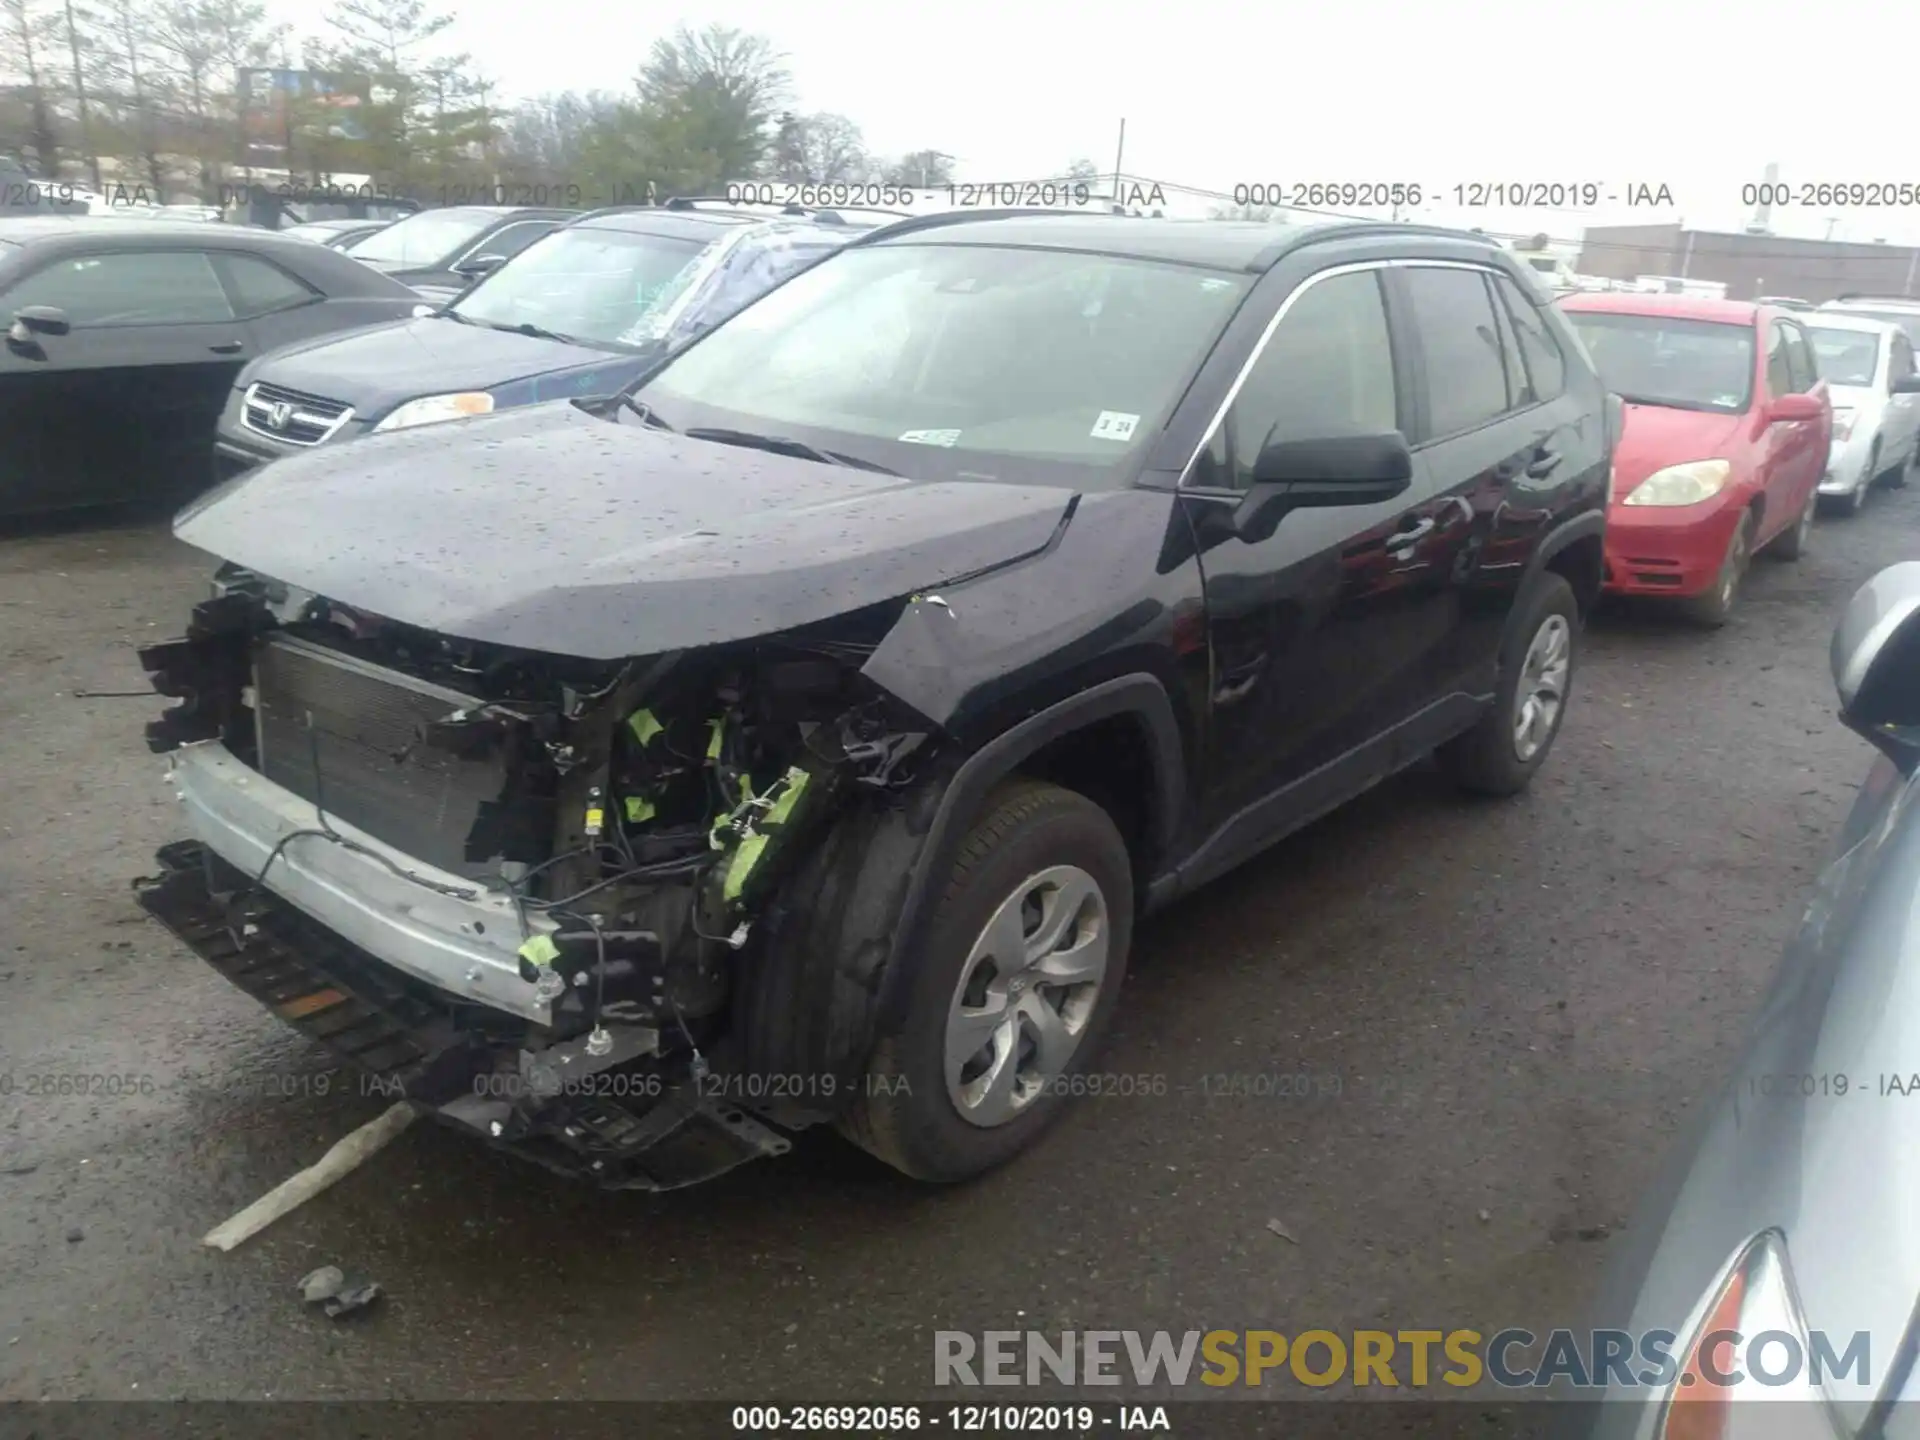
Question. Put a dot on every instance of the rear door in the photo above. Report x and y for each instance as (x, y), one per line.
(123, 406)
(1500, 439)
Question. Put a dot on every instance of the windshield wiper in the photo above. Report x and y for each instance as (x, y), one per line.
(644, 411)
(786, 445)
(527, 327)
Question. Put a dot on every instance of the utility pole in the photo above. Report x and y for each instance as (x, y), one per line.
(1119, 153)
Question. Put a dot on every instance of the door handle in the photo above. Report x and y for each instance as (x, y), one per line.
(228, 347)
(1404, 540)
(1544, 464)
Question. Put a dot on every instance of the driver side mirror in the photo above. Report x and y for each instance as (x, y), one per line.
(1906, 385)
(479, 265)
(33, 320)
(1876, 663)
(1785, 409)
(1337, 470)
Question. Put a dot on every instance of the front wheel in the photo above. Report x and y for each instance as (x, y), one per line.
(1715, 608)
(1500, 754)
(1027, 951)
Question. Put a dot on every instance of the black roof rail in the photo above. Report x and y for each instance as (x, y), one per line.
(756, 209)
(941, 218)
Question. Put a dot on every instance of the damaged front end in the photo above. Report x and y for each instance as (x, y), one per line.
(517, 888)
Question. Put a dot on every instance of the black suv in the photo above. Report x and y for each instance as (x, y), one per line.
(796, 735)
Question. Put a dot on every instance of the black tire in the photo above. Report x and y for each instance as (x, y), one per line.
(1791, 543)
(1715, 608)
(905, 1115)
(1855, 501)
(1486, 759)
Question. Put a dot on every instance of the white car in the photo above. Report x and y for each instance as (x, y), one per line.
(1875, 431)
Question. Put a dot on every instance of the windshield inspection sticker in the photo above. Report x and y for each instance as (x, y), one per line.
(932, 437)
(1114, 425)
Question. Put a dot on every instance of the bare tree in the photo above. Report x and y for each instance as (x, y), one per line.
(819, 149)
(131, 90)
(29, 39)
(75, 17)
(924, 168)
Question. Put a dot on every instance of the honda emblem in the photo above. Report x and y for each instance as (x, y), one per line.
(278, 414)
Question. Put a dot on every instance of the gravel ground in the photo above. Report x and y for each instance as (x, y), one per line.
(1506, 1011)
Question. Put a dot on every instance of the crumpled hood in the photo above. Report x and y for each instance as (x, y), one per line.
(547, 529)
(376, 369)
(1655, 437)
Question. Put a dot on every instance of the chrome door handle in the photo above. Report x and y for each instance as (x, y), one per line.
(1402, 542)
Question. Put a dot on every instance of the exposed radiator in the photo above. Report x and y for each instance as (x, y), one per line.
(363, 726)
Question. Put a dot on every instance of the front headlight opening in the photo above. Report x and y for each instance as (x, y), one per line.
(433, 409)
(1686, 484)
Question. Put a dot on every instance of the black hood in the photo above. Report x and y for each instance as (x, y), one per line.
(547, 529)
(375, 370)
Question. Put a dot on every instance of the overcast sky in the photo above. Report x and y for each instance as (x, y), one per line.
(1220, 92)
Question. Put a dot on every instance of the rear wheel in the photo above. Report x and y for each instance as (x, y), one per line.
(1500, 754)
(1027, 952)
(1714, 608)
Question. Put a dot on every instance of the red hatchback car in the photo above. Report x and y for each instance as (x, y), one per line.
(1727, 430)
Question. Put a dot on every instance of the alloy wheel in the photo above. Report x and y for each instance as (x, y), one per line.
(1026, 994)
(1543, 686)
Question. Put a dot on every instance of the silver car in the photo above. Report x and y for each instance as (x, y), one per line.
(1876, 423)
(1796, 1216)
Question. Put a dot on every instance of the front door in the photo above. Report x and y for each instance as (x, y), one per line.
(1318, 629)
(1795, 450)
(123, 406)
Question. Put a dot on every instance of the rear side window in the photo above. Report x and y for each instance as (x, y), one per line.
(1779, 372)
(260, 287)
(1539, 350)
(1466, 368)
(144, 287)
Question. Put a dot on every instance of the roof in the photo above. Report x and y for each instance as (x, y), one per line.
(35, 229)
(1680, 307)
(1246, 245)
(674, 224)
(500, 212)
(1841, 320)
(1872, 302)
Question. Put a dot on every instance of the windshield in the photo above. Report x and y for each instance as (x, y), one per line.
(1908, 321)
(1846, 357)
(420, 239)
(951, 361)
(1661, 360)
(586, 283)
(1545, 263)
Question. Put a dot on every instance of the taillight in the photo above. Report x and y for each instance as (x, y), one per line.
(1756, 1299)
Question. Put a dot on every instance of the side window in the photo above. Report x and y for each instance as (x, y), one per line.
(1779, 372)
(510, 240)
(1465, 366)
(145, 287)
(1901, 364)
(1327, 370)
(1546, 366)
(260, 287)
(1800, 362)
(1519, 388)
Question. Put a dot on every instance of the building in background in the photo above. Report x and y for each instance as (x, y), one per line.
(1750, 264)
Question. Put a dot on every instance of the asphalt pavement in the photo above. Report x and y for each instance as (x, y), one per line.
(1499, 1013)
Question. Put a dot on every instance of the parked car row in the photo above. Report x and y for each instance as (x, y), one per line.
(1740, 417)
